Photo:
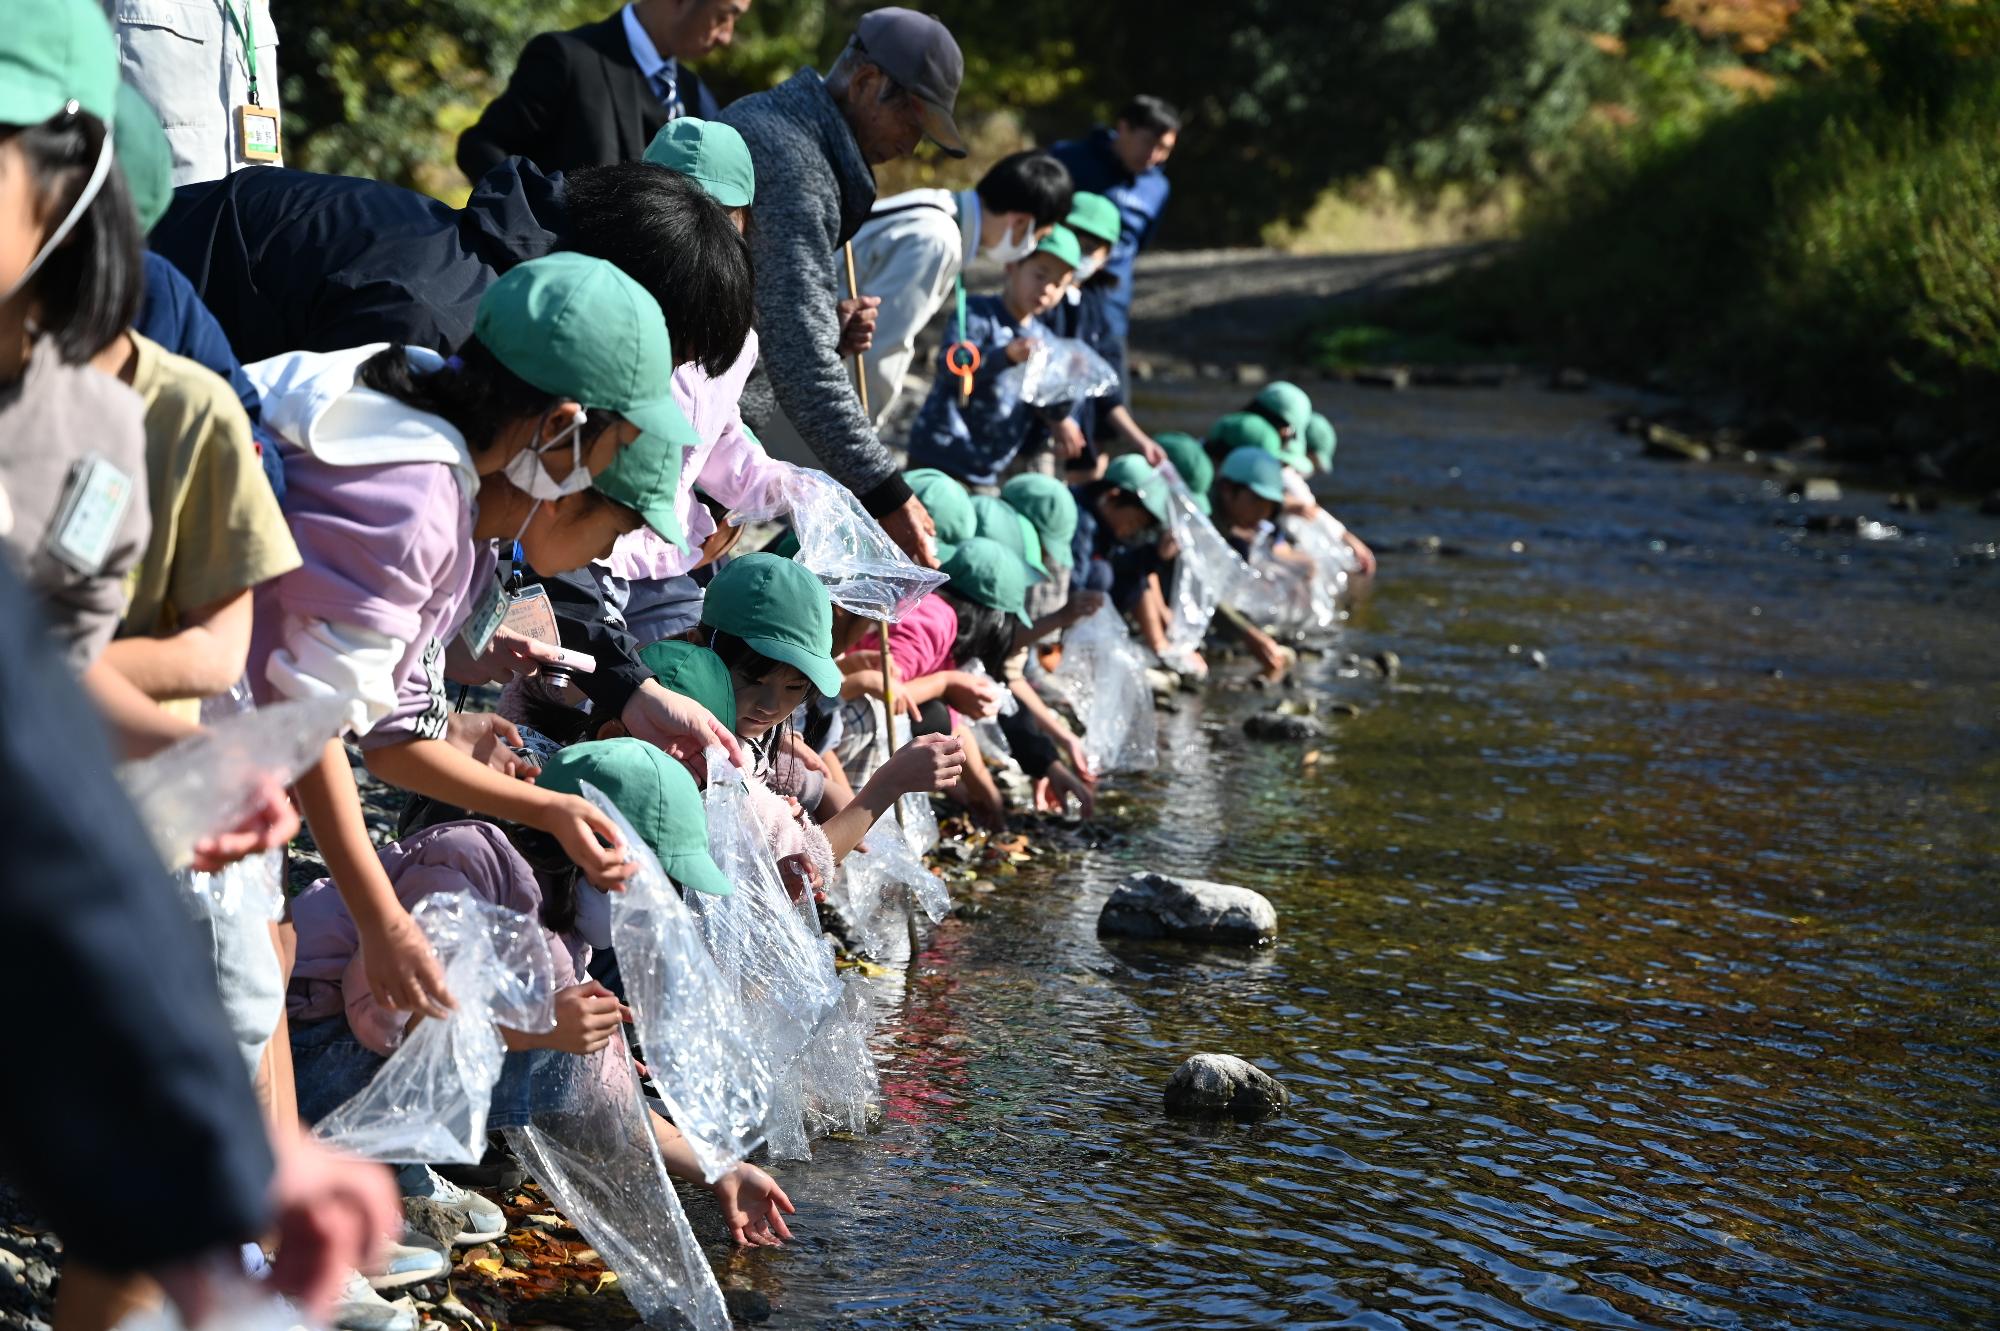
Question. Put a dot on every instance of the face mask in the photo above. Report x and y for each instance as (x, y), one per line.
(1089, 268)
(75, 215)
(527, 474)
(1011, 250)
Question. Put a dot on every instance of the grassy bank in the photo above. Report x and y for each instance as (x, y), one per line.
(1832, 252)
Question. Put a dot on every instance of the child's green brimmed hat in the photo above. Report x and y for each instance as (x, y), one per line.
(1049, 508)
(988, 573)
(578, 328)
(1061, 243)
(780, 610)
(1134, 475)
(1257, 470)
(1285, 402)
(656, 795)
(711, 154)
(1191, 463)
(693, 671)
(1094, 216)
(998, 521)
(1321, 441)
(948, 502)
(140, 146)
(55, 52)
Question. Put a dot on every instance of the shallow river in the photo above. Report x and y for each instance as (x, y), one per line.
(1655, 988)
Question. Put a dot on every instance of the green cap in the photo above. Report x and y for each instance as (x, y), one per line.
(1246, 429)
(1191, 462)
(1288, 403)
(949, 503)
(711, 154)
(1049, 508)
(988, 573)
(997, 521)
(1061, 242)
(1134, 475)
(579, 328)
(656, 795)
(1095, 216)
(781, 610)
(1320, 441)
(693, 671)
(1259, 470)
(140, 146)
(56, 52)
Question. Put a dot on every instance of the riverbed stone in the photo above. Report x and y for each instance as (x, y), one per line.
(1816, 490)
(1157, 905)
(434, 1220)
(1282, 728)
(1224, 1086)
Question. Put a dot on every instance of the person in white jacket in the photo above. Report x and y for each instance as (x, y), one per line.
(909, 253)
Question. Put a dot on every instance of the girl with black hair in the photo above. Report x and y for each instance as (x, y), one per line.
(401, 472)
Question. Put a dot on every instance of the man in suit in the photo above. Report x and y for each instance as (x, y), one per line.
(596, 95)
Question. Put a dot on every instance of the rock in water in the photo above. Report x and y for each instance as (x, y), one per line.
(1222, 1085)
(1277, 726)
(1152, 905)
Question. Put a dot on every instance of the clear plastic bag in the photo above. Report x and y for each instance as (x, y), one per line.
(864, 571)
(1058, 371)
(698, 1042)
(430, 1100)
(839, 1078)
(876, 888)
(209, 782)
(597, 1160)
(785, 1130)
(1103, 674)
(1319, 537)
(783, 973)
(237, 1303)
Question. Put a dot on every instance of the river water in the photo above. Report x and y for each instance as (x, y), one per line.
(1655, 988)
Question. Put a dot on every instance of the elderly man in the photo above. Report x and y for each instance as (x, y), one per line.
(1124, 164)
(891, 88)
(597, 94)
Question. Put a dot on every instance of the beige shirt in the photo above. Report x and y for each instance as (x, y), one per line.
(187, 59)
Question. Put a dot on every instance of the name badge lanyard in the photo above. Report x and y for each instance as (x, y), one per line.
(246, 32)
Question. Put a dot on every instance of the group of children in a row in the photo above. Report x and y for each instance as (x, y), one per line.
(367, 543)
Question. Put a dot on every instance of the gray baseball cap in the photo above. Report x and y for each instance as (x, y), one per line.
(920, 54)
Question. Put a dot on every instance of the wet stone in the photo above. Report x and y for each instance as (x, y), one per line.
(434, 1220)
(1224, 1086)
(1154, 905)
(1282, 728)
(747, 1305)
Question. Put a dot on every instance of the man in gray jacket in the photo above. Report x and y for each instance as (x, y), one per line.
(817, 140)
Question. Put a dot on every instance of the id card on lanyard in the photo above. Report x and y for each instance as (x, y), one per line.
(257, 131)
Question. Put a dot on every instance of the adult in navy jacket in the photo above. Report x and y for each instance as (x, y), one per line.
(1123, 164)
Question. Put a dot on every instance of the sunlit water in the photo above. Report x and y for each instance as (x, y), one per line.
(1653, 989)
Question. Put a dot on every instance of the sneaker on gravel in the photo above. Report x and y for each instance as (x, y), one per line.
(483, 1220)
(403, 1264)
(360, 1308)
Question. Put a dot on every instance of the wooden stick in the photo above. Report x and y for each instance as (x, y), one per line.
(860, 374)
(889, 751)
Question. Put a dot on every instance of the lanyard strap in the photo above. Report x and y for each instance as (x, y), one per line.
(961, 308)
(246, 32)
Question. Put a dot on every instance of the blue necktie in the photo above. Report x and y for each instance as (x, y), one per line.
(670, 96)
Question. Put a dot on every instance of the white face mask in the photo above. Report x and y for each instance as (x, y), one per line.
(1010, 250)
(1089, 268)
(527, 474)
(64, 227)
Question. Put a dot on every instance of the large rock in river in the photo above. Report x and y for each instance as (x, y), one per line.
(1153, 905)
(1222, 1085)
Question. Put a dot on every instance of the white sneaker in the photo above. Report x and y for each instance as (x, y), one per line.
(360, 1308)
(401, 1264)
(483, 1220)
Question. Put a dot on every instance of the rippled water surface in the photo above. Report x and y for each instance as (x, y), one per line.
(1653, 989)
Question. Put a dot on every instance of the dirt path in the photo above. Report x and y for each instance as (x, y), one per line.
(1227, 306)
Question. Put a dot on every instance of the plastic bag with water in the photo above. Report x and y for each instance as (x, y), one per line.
(1103, 673)
(208, 783)
(864, 571)
(876, 888)
(597, 1160)
(783, 973)
(839, 1079)
(1319, 537)
(430, 1100)
(1207, 574)
(699, 1044)
(1059, 371)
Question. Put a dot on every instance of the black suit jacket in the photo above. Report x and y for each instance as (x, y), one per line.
(577, 98)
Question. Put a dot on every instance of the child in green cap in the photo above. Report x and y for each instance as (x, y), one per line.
(976, 438)
(1087, 313)
(401, 471)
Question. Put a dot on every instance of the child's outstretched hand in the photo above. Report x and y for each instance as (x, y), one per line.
(587, 1016)
(270, 823)
(754, 1207)
(1054, 791)
(974, 695)
(1020, 349)
(491, 739)
(403, 972)
(929, 762)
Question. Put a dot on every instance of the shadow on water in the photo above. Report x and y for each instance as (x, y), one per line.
(1656, 988)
